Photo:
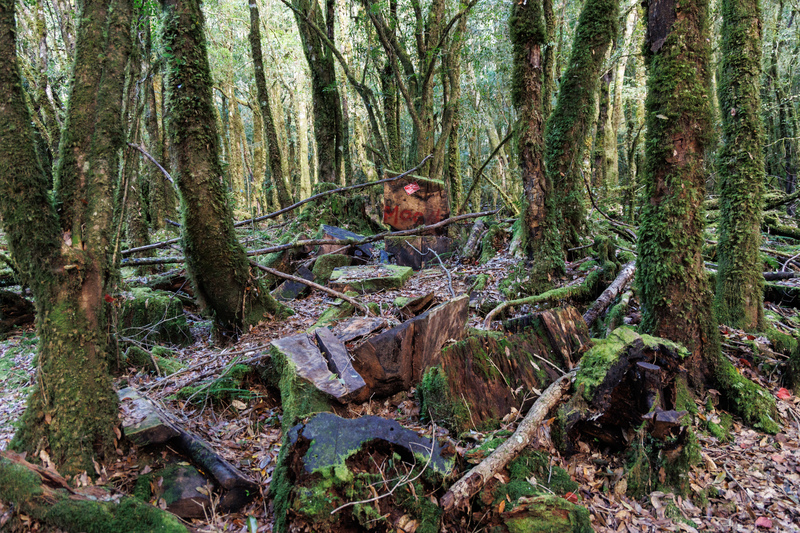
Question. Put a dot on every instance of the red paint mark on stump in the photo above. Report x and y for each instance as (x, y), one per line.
(411, 188)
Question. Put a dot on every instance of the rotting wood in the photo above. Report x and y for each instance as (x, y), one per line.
(143, 261)
(239, 490)
(470, 484)
(470, 249)
(339, 361)
(613, 290)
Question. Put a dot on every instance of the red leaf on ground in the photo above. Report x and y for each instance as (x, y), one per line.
(783, 394)
(763, 521)
(571, 497)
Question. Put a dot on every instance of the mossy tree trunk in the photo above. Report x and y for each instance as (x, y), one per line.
(275, 156)
(539, 238)
(328, 122)
(216, 261)
(739, 297)
(672, 281)
(63, 256)
(571, 119)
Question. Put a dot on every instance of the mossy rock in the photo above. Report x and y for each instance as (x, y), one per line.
(547, 514)
(325, 264)
(370, 278)
(150, 316)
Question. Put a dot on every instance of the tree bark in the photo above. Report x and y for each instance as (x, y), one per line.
(72, 408)
(216, 261)
(275, 156)
(739, 299)
(671, 277)
(569, 124)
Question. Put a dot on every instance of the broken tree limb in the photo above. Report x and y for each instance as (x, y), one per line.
(562, 293)
(313, 285)
(156, 163)
(472, 482)
(613, 290)
(131, 262)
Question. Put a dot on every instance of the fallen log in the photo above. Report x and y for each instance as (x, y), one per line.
(131, 262)
(613, 290)
(470, 484)
(470, 250)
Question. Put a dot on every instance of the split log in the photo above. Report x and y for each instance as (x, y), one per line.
(625, 276)
(470, 484)
(290, 289)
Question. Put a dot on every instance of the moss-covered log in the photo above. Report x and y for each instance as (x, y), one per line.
(739, 296)
(569, 123)
(72, 409)
(216, 261)
(46, 497)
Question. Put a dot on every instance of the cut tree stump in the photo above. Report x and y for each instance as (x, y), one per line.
(141, 421)
(564, 327)
(357, 327)
(409, 307)
(364, 251)
(414, 201)
(178, 488)
(397, 358)
(311, 365)
(417, 252)
(623, 380)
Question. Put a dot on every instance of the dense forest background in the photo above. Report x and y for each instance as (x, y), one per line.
(582, 141)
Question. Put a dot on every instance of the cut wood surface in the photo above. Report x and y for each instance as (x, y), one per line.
(601, 304)
(470, 484)
(414, 201)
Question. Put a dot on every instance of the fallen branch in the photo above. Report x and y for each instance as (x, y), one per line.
(130, 262)
(472, 482)
(605, 299)
(156, 163)
(313, 285)
(553, 295)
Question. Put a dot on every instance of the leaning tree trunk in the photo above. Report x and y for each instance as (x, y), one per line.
(216, 261)
(671, 277)
(275, 156)
(739, 297)
(72, 409)
(569, 123)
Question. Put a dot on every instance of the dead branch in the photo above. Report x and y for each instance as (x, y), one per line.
(156, 163)
(472, 482)
(613, 290)
(313, 285)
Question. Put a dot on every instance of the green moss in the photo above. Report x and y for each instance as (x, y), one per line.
(532, 474)
(20, 486)
(721, 430)
(368, 279)
(223, 389)
(550, 514)
(153, 316)
(754, 404)
(325, 264)
(588, 265)
(437, 402)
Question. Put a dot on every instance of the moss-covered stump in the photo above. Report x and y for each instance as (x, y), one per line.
(546, 514)
(330, 462)
(397, 358)
(370, 278)
(624, 380)
(487, 365)
(153, 317)
(43, 496)
(324, 265)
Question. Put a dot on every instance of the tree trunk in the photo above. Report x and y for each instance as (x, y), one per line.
(276, 154)
(570, 122)
(739, 297)
(671, 277)
(216, 261)
(72, 409)
(325, 93)
(302, 141)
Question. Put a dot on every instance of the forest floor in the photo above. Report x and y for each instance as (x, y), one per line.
(755, 477)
